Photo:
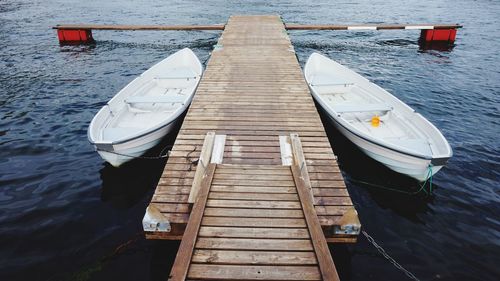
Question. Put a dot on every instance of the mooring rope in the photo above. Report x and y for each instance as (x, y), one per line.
(422, 186)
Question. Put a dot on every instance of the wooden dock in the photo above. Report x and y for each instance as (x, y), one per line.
(252, 185)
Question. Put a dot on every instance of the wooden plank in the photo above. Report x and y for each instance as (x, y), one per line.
(254, 257)
(253, 204)
(139, 27)
(325, 260)
(253, 222)
(253, 171)
(300, 161)
(254, 182)
(203, 162)
(333, 201)
(304, 189)
(173, 208)
(241, 272)
(184, 254)
(254, 196)
(246, 232)
(260, 189)
(246, 177)
(255, 244)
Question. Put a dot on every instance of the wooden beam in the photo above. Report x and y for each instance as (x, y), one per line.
(139, 27)
(300, 161)
(203, 161)
(185, 253)
(289, 26)
(292, 26)
(325, 261)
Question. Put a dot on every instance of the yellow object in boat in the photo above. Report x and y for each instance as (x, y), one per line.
(375, 121)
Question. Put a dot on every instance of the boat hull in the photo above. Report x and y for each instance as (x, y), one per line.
(382, 126)
(118, 154)
(411, 166)
(143, 112)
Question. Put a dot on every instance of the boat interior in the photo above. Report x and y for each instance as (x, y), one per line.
(146, 105)
(371, 114)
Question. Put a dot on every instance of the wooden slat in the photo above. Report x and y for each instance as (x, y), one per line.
(203, 162)
(254, 257)
(300, 162)
(253, 222)
(253, 204)
(259, 189)
(254, 196)
(326, 265)
(240, 272)
(184, 254)
(139, 27)
(255, 244)
(254, 213)
(246, 232)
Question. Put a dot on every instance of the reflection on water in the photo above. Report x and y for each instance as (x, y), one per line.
(123, 187)
(437, 46)
(390, 190)
(126, 185)
(62, 210)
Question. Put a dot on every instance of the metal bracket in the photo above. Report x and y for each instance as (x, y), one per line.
(349, 224)
(154, 220)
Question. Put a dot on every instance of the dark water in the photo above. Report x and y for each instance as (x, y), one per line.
(64, 213)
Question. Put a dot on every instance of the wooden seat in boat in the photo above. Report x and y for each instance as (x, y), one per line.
(349, 108)
(156, 99)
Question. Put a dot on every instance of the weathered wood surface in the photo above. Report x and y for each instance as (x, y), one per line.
(138, 27)
(238, 242)
(183, 258)
(253, 91)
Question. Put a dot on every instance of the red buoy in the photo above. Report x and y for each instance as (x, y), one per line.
(75, 36)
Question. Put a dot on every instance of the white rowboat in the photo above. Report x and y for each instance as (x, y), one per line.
(382, 126)
(142, 113)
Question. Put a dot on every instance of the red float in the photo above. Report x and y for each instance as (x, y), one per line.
(75, 36)
(441, 35)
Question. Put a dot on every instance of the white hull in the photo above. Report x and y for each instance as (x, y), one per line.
(122, 153)
(404, 164)
(142, 113)
(382, 126)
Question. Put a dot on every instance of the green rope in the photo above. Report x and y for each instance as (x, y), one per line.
(422, 186)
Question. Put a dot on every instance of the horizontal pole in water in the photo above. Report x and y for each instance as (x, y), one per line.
(371, 26)
(82, 33)
(287, 26)
(137, 27)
